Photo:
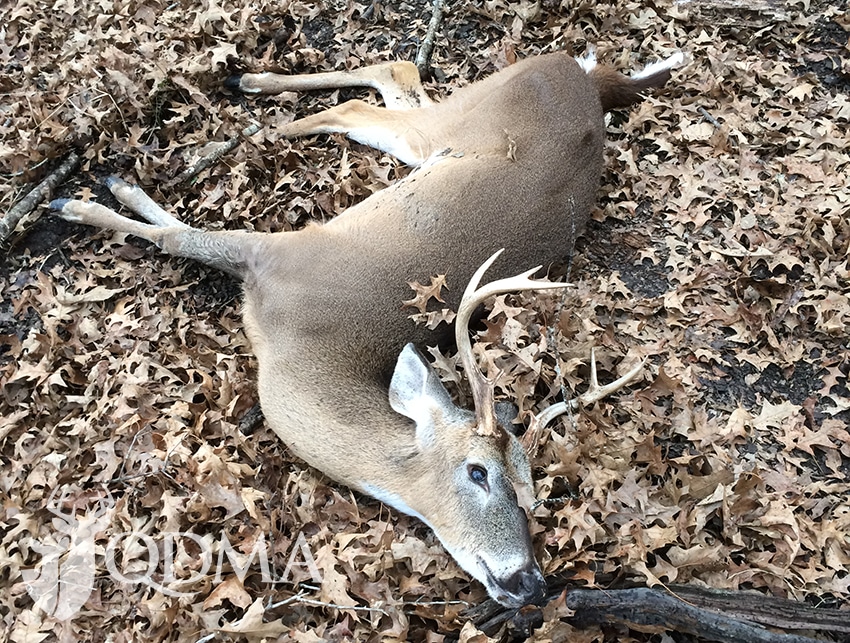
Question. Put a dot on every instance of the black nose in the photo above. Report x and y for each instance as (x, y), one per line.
(526, 584)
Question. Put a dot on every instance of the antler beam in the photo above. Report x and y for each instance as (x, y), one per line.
(482, 388)
(594, 393)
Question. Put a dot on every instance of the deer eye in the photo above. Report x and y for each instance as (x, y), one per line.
(478, 474)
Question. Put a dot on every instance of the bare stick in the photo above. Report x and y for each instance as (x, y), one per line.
(38, 194)
(765, 610)
(212, 157)
(300, 598)
(423, 57)
(644, 607)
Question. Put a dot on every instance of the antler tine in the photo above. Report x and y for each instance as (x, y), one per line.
(594, 394)
(482, 389)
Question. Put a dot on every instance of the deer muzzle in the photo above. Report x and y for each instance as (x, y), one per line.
(525, 586)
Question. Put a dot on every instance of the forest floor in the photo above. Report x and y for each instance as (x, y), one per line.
(719, 251)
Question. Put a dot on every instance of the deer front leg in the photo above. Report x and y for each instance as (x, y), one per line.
(226, 251)
(398, 83)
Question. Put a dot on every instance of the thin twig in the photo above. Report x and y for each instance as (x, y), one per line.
(423, 57)
(287, 601)
(29, 169)
(356, 608)
(121, 476)
(299, 598)
(312, 588)
(162, 467)
(212, 157)
(709, 117)
(38, 194)
(434, 603)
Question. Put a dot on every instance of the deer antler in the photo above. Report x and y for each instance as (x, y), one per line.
(594, 393)
(482, 388)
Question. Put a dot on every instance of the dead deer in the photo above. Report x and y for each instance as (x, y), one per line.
(512, 161)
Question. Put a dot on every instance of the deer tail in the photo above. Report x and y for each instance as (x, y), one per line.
(616, 90)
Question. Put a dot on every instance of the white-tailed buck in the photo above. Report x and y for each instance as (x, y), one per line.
(512, 161)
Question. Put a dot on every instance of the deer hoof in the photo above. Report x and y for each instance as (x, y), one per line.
(234, 82)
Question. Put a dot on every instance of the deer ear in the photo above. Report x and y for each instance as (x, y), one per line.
(417, 392)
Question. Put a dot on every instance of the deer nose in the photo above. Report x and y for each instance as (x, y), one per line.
(526, 584)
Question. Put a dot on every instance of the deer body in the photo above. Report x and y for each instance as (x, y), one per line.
(511, 161)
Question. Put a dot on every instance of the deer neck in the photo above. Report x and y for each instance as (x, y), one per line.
(324, 426)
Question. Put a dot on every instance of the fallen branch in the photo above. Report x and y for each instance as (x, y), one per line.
(767, 610)
(710, 614)
(214, 153)
(423, 56)
(39, 193)
(642, 607)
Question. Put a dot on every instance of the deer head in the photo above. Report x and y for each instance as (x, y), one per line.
(469, 477)
(465, 485)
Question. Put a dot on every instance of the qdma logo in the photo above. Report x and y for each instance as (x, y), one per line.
(63, 581)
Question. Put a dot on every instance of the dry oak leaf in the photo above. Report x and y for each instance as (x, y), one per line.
(222, 52)
(471, 634)
(334, 584)
(32, 626)
(252, 624)
(425, 293)
(215, 494)
(232, 590)
(501, 305)
(801, 92)
(828, 436)
(434, 318)
(776, 415)
(698, 132)
(419, 554)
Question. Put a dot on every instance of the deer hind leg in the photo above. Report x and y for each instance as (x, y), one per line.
(392, 129)
(395, 132)
(398, 83)
(227, 251)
